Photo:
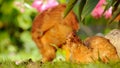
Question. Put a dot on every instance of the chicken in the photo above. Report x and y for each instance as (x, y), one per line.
(90, 50)
(76, 51)
(101, 48)
(49, 30)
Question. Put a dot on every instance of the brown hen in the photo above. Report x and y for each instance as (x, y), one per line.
(101, 48)
(75, 50)
(49, 28)
(90, 50)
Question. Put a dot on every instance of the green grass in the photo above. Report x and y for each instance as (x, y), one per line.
(27, 60)
(57, 64)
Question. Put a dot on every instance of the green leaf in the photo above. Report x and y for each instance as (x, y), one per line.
(115, 5)
(81, 6)
(70, 5)
(24, 21)
(90, 5)
(4, 41)
(110, 3)
(6, 7)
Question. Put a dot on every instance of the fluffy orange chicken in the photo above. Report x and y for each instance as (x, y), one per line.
(50, 30)
(101, 48)
(90, 50)
(75, 50)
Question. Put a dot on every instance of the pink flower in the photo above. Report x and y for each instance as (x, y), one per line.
(42, 5)
(108, 13)
(97, 12)
(99, 9)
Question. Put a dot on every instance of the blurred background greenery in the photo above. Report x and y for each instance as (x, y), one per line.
(16, 18)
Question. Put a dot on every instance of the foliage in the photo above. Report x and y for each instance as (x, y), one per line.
(15, 25)
(86, 7)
